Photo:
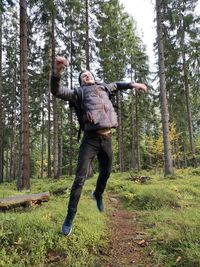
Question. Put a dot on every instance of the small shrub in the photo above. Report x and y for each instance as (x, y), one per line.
(196, 171)
(153, 198)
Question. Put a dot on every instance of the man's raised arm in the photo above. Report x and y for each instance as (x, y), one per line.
(56, 89)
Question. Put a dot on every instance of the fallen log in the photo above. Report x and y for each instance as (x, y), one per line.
(23, 200)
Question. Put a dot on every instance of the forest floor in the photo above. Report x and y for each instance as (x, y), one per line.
(126, 244)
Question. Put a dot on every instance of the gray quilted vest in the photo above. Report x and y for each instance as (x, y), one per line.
(96, 108)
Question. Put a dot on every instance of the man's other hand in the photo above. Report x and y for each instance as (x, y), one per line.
(140, 87)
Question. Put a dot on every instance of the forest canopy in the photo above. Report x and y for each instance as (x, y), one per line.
(38, 133)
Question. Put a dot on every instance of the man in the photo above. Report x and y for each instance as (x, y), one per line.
(97, 116)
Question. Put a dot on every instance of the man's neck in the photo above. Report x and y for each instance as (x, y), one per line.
(90, 83)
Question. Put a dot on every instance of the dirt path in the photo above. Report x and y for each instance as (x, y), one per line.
(127, 246)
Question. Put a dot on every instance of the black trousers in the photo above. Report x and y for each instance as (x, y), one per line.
(92, 144)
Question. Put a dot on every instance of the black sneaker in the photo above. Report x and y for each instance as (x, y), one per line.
(67, 226)
(99, 201)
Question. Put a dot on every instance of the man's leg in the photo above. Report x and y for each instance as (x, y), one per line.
(105, 166)
(87, 151)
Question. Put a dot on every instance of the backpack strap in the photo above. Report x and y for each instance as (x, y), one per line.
(79, 110)
(80, 95)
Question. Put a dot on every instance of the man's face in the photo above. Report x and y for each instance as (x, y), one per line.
(87, 78)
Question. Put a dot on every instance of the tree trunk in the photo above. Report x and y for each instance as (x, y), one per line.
(13, 151)
(49, 112)
(168, 169)
(1, 107)
(148, 146)
(135, 133)
(70, 171)
(7, 164)
(87, 42)
(176, 146)
(42, 143)
(137, 141)
(56, 143)
(133, 130)
(24, 179)
(70, 142)
(185, 164)
(60, 156)
(55, 113)
(60, 144)
(120, 135)
(14, 129)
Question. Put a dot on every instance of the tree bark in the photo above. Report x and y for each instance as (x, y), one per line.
(176, 148)
(55, 113)
(25, 200)
(42, 143)
(87, 42)
(168, 169)
(137, 141)
(24, 179)
(14, 129)
(1, 107)
(56, 142)
(49, 111)
(185, 164)
(133, 131)
(70, 171)
(7, 165)
(60, 144)
(60, 150)
(120, 135)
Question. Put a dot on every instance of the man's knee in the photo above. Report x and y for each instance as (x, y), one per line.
(78, 182)
(105, 173)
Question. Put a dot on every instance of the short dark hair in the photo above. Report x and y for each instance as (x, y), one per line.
(79, 77)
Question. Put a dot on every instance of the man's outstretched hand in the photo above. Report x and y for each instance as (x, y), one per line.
(140, 87)
(60, 64)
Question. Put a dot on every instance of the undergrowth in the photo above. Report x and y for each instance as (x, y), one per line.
(168, 211)
(167, 208)
(31, 236)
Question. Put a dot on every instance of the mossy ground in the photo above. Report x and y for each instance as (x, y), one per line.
(168, 210)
